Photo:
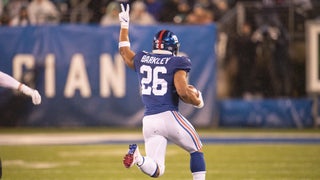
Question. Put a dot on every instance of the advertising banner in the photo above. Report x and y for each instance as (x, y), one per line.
(83, 80)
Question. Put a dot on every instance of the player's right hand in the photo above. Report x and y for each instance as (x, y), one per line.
(36, 98)
(124, 16)
(201, 100)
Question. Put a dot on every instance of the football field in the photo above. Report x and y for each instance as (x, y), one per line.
(29, 154)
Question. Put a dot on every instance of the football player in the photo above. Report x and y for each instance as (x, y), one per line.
(9, 82)
(163, 81)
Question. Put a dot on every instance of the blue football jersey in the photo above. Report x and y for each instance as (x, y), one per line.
(155, 73)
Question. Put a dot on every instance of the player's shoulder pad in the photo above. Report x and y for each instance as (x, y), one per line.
(182, 59)
(181, 62)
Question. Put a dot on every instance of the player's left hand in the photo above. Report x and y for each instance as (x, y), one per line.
(34, 94)
(124, 17)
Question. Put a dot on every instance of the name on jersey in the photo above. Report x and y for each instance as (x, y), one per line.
(154, 60)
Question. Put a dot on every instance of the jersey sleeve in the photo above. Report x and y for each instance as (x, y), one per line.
(181, 63)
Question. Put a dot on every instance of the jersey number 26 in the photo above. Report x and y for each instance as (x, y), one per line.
(151, 83)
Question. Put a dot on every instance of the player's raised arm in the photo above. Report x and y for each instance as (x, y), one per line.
(124, 42)
(187, 93)
(9, 82)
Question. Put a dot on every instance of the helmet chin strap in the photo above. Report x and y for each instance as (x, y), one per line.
(160, 51)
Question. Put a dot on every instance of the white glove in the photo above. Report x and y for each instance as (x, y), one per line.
(201, 101)
(124, 16)
(36, 98)
(34, 94)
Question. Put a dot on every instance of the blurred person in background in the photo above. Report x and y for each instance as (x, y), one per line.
(268, 81)
(63, 6)
(7, 81)
(244, 54)
(1, 7)
(98, 9)
(4, 19)
(11, 10)
(140, 15)
(111, 16)
(13, 7)
(201, 14)
(220, 7)
(168, 11)
(22, 19)
(80, 12)
(154, 7)
(272, 64)
(184, 8)
(43, 12)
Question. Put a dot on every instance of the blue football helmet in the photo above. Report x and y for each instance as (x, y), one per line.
(166, 40)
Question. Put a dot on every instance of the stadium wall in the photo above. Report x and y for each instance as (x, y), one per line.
(266, 113)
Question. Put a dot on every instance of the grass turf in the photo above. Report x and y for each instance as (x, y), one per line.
(224, 161)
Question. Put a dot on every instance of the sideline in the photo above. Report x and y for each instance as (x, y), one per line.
(118, 138)
(65, 138)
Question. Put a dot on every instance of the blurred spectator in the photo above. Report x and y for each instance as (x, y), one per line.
(265, 38)
(98, 9)
(111, 16)
(272, 61)
(12, 8)
(63, 7)
(1, 7)
(244, 52)
(184, 8)
(140, 15)
(303, 7)
(200, 15)
(154, 7)
(220, 8)
(22, 19)
(80, 12)
(43, 12)
(5, 19)
(169, 11)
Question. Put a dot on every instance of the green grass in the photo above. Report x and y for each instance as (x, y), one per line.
(104, 162)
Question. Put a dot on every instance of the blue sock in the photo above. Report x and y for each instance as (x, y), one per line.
(197, 162)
